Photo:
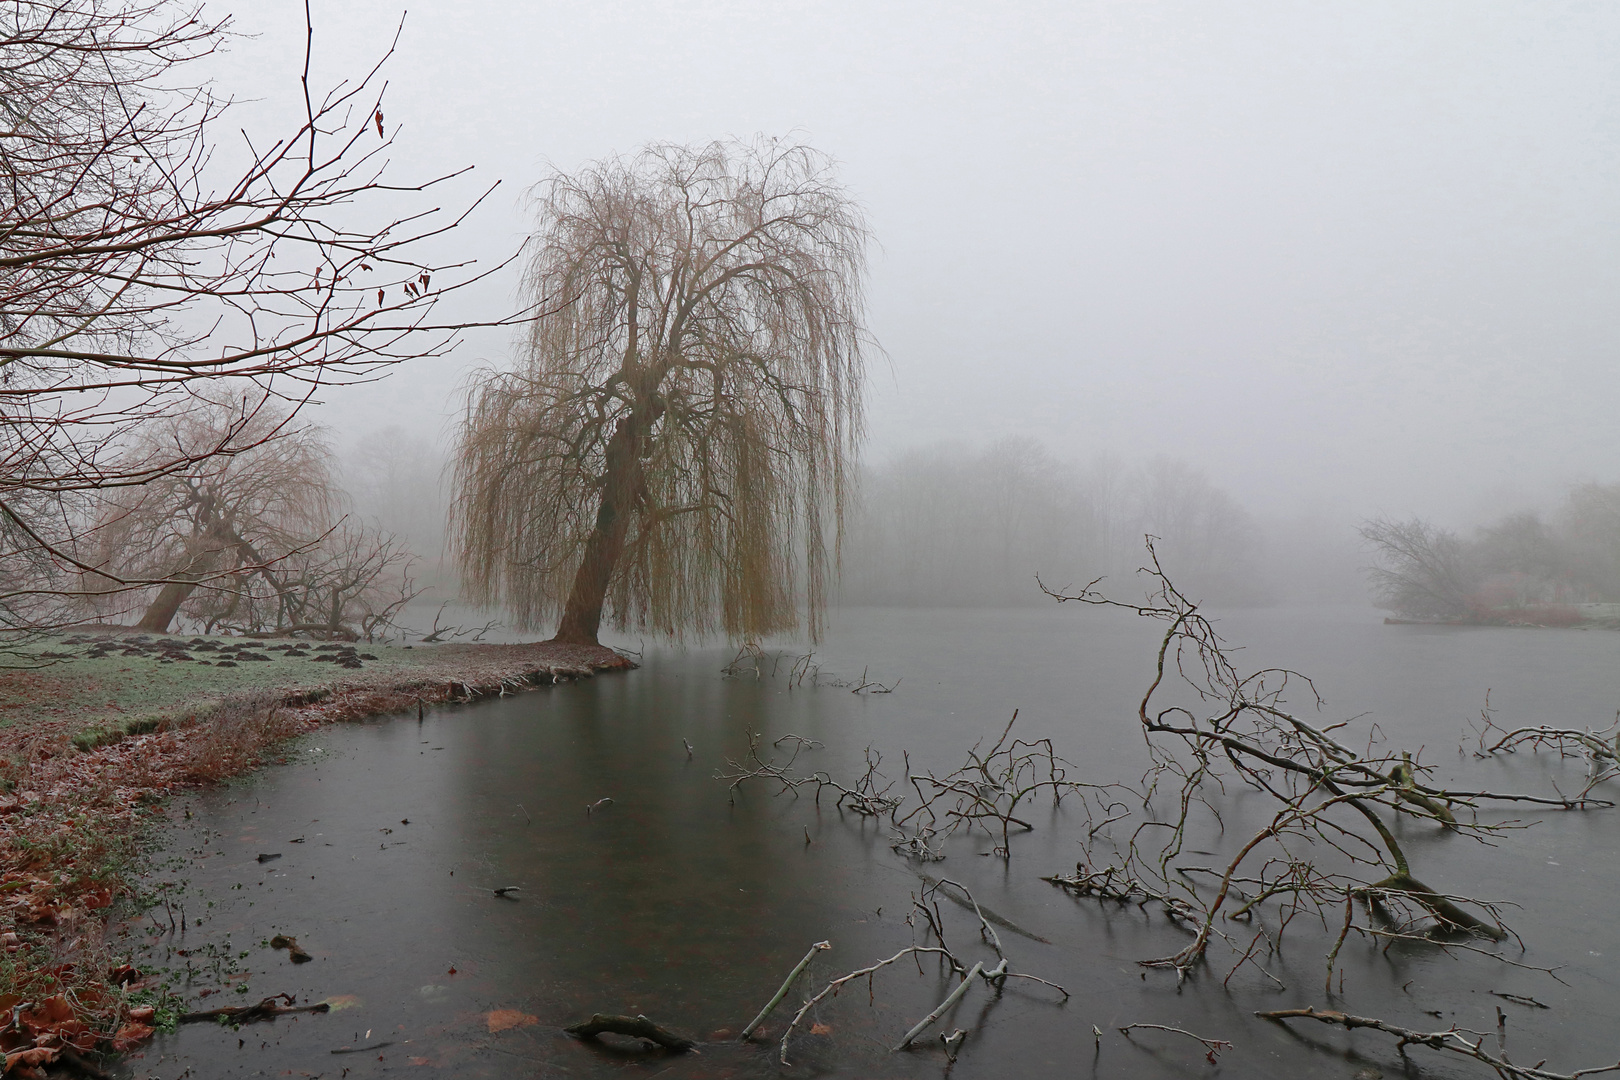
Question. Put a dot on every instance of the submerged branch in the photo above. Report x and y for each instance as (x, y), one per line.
(1453, 1040)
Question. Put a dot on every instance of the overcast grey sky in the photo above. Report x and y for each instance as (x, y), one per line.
(1353, 257)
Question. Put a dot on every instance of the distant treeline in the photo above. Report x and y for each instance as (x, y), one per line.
(395, 479)
(1521, 568)
(952, 526)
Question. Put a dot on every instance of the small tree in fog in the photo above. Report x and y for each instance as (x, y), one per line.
(674, 444)
(256, 487)
(1422, 570)
(249, 536)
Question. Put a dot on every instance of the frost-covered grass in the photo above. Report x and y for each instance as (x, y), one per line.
(103, 682)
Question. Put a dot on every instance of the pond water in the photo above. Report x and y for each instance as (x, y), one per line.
(678, 903)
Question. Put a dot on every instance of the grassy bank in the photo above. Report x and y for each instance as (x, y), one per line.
(97, 727)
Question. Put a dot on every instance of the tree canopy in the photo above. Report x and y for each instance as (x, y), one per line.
(674, 444)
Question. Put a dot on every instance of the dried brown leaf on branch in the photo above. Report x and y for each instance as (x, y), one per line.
(146, 264)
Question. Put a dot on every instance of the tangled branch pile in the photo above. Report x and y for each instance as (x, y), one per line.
(1324, 844)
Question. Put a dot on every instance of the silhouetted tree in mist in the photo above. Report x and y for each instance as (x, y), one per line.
(674, 446)
(1422, 571)
(1519, 568)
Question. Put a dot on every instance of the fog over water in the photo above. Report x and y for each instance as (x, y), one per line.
(1252, 277)
(1344, 258)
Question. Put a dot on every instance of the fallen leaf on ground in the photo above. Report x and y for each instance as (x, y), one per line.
(342, 1001)
(821, 1029)
(39, 1055)
(501, 1019)
(48, 1016)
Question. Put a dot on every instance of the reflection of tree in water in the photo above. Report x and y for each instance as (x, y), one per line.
(664, 895)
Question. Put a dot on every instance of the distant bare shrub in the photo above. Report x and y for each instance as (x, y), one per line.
(1518, 569)
(1422, 571)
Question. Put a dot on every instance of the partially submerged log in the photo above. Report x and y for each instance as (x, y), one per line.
(638, 1027)
(267, 1009)
(1402, 883)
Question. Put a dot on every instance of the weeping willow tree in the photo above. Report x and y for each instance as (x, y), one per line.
(675, 444)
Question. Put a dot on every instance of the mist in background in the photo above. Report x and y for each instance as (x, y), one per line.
(948, 526)
(1290, 266)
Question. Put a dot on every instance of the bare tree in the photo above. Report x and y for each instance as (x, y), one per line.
(350, 583)
(259, 489)
(252, 539)
(1423, 571)
(675, 442)
(142, 260)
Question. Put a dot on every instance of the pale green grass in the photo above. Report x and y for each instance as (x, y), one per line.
(110, 691)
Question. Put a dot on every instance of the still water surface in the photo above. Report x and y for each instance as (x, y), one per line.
(674, 902)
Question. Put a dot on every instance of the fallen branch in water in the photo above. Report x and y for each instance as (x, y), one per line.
(838, 984)
(1599, 747)
(638, 1027)
(267, 1009)
(1454, 1040)
(781, 993)
(998, 972)
(934, 919)
(865, 798)
(1212, 1047)
(1328, 841)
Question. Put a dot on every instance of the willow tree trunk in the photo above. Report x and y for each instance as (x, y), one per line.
(621, 479)
(181, 584)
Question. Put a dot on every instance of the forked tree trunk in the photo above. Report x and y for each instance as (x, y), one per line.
(582, 614)
(183, 582)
